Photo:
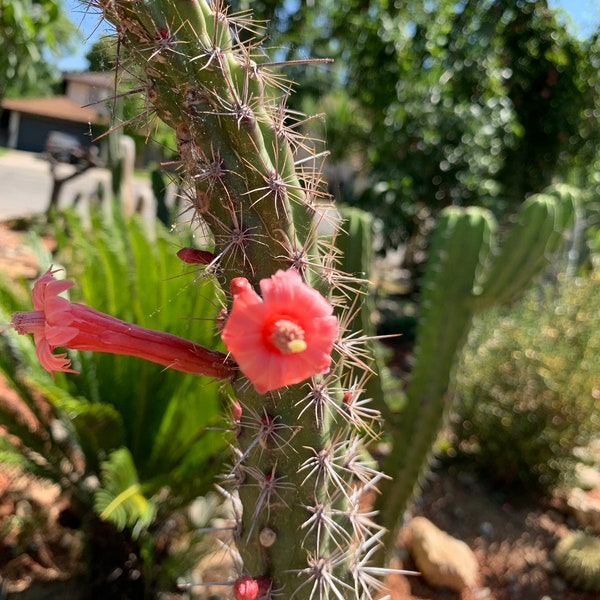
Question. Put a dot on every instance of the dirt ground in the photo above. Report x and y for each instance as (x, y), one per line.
(512, 536)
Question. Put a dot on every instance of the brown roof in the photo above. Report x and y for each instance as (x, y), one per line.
(58, 107)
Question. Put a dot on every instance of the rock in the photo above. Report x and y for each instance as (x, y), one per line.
(443, 560)
(585, 506)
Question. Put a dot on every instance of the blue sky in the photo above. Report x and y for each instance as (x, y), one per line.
(91, 26)
(583, 15)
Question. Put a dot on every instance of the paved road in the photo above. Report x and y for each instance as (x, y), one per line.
(26, 183)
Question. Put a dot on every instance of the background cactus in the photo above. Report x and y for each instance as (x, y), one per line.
(467, 272)
(354, 242)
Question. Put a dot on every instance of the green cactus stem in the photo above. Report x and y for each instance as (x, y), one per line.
(354, 241)
(248, 180)
(465, 274)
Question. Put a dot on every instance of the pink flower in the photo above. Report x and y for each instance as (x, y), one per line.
(58, 322)
(282, 338)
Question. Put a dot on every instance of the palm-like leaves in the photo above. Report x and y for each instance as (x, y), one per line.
(121, 499)
(154, 424)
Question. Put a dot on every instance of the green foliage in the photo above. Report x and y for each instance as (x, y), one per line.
(165, 414)
(121, 499)
(28, 30)
(471, 103)
(160, 417)
(528, 385)
(129, 108)
(102, 55)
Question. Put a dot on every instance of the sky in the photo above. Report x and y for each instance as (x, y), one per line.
(583, 17)
(91, 26)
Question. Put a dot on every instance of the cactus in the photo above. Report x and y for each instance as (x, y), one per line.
(577, 558)
(467, 272)
(354, 241)
(253, 180)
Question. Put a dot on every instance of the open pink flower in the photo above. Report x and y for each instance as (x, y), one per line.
(58, 322)
(282, 338)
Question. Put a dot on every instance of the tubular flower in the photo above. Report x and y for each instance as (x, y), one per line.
(57, 322)
(282, 338)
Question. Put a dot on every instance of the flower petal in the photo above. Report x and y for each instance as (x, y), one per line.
(247, 332)
(52, 362)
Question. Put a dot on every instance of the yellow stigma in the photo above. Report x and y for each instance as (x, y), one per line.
(295, 346)
(287, 336)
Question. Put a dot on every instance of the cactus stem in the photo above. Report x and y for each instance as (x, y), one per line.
(269, 485)
(268, 433)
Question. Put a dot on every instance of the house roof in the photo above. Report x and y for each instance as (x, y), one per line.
(57, 107)
(101, 79)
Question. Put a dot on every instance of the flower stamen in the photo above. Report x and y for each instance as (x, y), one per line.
(287, 337)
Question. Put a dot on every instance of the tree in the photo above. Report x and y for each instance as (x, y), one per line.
(31, 31)
(102, 55)
(473, 102)
(130, 108)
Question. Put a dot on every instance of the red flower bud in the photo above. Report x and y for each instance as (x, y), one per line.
(194, 256)
(264, 585)
(236, 411)
(245, 588)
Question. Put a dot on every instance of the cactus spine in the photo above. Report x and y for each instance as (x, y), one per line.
(466, 273)
(297, 450)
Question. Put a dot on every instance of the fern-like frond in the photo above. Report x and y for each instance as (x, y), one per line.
(120, 499)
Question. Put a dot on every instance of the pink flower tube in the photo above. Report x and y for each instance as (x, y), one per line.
(282, 338)
(58, 322)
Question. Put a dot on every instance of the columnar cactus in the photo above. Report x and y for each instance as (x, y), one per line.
(253, 180)
(467, 271)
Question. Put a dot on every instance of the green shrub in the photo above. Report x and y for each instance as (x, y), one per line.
(129, 439)
(529, 383)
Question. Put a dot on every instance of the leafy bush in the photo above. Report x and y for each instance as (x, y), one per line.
(529, 385)
(150, 436)
(471, 103)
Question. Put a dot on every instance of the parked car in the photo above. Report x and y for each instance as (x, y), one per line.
(64, 147)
